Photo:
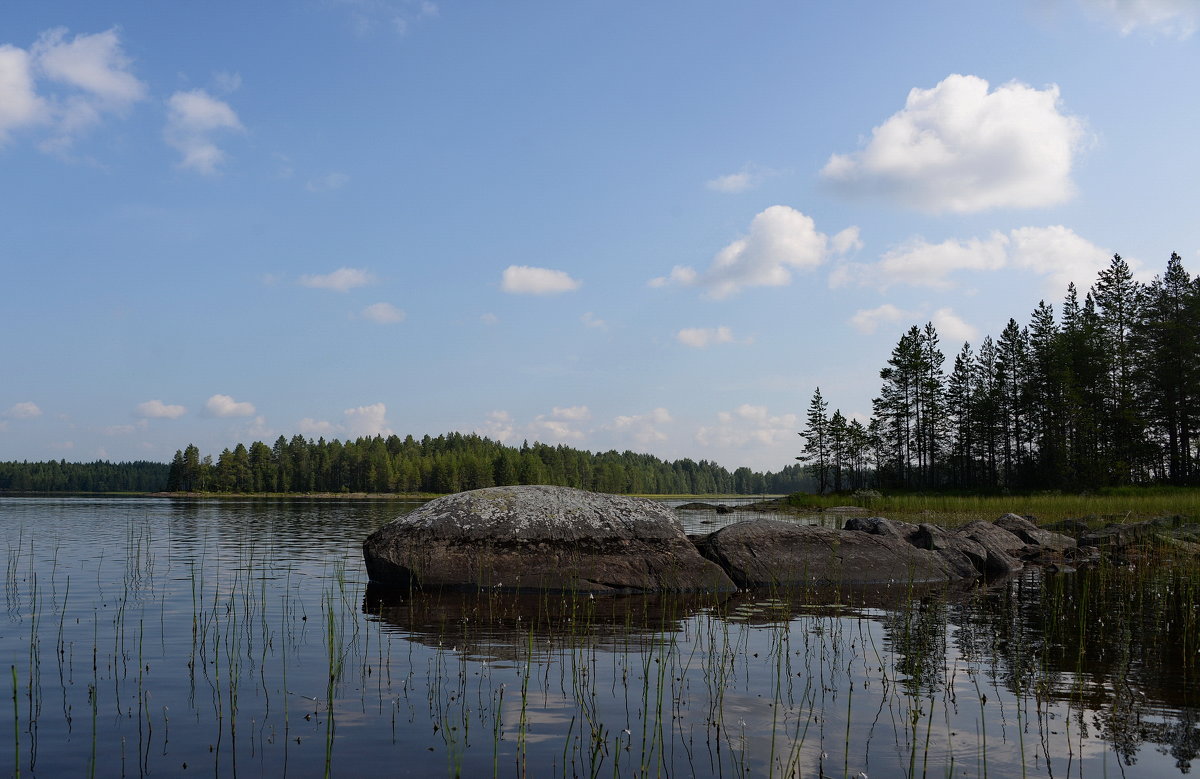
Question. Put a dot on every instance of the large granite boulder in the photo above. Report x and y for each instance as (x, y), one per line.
(777, 553)
(540, 538)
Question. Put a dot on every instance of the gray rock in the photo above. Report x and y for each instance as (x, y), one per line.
(880, 526)
(1002, 549)
(1119, 537)
(967, 558)
(1033, 535)
(776, 553)
(540, 538)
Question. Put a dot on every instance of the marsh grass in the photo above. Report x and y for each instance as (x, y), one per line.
(1112, 505)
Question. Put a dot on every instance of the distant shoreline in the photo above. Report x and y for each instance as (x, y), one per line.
(319, 495)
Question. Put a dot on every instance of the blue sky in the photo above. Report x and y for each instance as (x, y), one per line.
(654, 226)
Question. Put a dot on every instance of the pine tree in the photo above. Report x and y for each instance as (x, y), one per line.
(816, 441)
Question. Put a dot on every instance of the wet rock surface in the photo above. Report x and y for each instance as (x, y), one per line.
(540, 538)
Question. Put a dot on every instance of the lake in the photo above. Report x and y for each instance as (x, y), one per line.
(240, 638)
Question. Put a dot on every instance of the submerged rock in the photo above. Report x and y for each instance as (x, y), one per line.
(540, 538)
(777, 553)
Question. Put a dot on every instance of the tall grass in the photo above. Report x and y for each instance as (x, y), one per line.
(1112, 505)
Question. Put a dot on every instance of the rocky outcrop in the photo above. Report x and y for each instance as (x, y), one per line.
(777, 553)
(540, 538)
(720, 508)
(555, 538)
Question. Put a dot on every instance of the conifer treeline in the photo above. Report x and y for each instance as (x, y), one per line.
(99, 476)
(454, 462)
(1107, 394)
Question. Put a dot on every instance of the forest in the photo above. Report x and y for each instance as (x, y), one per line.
(99, 476)
(1104, 395)
(454, 462)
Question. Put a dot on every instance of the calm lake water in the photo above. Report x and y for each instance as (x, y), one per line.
(239, 637)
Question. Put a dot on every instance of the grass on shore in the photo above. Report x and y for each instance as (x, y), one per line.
(1102, 507)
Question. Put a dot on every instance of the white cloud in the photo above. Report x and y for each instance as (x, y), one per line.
(952, 328)
(310, 427)
(1174, 18)
(92, 63)
(341, 280)
(225, 406)
(383, 313)
(703, 337)
(24, 410)
(258, 430)
(367, 420)
(867, 321)
(226, 82)
(572, 413)
(20, 105)
(748, 426)
(525, 280)
(489, 319)
(961, 148)
(643, 428)
(328, 182)
(747, 178)
(156, 409)
(781, 239)
(549, 430)
(499, 426)
(1056, 253)
(367, 16)
(591, 320)
(87, 76)
(193, 118)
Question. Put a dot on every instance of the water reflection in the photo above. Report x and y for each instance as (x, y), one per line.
(242, 637)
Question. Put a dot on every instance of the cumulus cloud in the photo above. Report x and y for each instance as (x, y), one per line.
(643, 428)
(194, 117)
(703, 337)
(1174, 18)
(341, 280)
(748, 425)
(780, 240)
(24, 410)
(489, 319)
(383, 313)
(591, 320)
(226, 406)
(82, 79)
(549, 430)
(961, 148)
(952, 328)
(156, 409)
(367, 420)
(526, 280)
(560, 424)
(1056, 253)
